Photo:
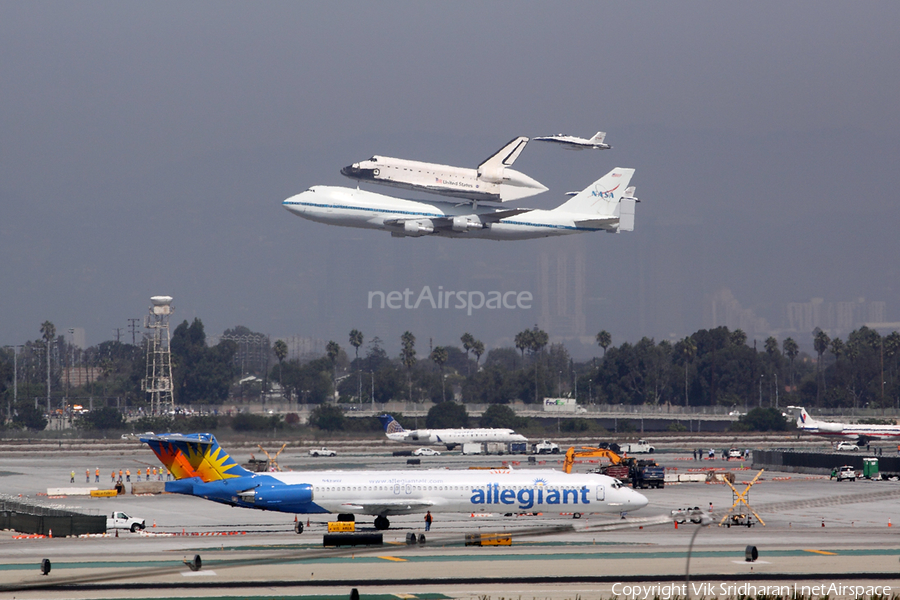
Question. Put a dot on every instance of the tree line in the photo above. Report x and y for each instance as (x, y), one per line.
(711, 367)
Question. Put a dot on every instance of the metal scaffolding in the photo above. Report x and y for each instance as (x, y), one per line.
(158, 382)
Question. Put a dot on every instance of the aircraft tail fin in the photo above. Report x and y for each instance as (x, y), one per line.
(504, 157)
(390, 424)
(194, 455)
(603, 197)
(803, 418)
(598, 137)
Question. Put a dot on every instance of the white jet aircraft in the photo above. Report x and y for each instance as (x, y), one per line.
(577, 143)
(448, 437)
(606, 205)
(202, 468)
(492, 181)
(853, 431)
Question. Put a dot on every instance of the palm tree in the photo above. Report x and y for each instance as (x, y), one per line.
(771, 346)
(539, 339)
(440, 355)
(688, 350)
(524, 341)
(281, 351)
(333, 350)
(477, 350)
(48, 332)
(467, 340)
(820, 343)
(604, 339)
(356, 340)
(791, 350)
(408, 357)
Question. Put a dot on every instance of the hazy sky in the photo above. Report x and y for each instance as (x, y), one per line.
(147, 147)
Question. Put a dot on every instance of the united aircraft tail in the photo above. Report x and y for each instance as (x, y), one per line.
(194, 455)
(390, 424)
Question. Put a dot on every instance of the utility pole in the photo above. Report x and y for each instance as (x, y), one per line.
(132, 325)
(118, 331)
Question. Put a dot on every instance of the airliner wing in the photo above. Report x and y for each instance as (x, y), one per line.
(389, 507)
(460, 222)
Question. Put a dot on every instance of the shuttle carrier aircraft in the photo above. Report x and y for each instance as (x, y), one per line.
(606, 205)
(203, 469)
(448, 437)
(493, 180)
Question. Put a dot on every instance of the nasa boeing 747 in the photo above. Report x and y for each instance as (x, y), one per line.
(577, 143)
(492, 181)
(606, 205)
(203, 469)
(448, 437)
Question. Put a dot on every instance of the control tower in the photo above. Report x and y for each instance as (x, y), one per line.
(158, 382)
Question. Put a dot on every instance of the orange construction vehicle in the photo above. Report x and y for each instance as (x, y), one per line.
(587, 452)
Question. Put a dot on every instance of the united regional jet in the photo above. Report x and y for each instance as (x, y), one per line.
(492, 181)
(577, 143)
(448, 437)
(203, 469)
(859, 431)
(606, 205)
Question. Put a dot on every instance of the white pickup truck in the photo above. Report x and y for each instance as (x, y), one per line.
(639, 447)
(323, 451)
(546, 447)
(120, 520)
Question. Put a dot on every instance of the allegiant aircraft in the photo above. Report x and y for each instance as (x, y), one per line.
(201, 468)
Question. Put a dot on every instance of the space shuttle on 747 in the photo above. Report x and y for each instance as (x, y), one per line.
(492, 181)
(608, 205)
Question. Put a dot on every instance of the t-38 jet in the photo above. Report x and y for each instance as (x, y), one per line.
(577, 143)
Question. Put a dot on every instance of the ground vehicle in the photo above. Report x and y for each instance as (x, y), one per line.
(847, 446)
(563, 405)
(846, 472)
(323, 451)
(646, 473)
(425, 452)
(473, 448)
(518, 447)
(735, 453)
(639, 447)
(546, 447)
(120, 520)
(588, 452)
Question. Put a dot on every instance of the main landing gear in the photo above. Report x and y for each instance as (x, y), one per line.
(382, 523)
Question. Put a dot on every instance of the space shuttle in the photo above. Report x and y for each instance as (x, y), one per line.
(493, 180)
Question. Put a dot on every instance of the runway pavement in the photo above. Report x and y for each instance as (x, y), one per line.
(848, 544)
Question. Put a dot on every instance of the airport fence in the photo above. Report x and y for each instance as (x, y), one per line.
(41, 519)
(819, 462)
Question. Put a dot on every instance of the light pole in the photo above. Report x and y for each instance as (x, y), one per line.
(372, 373)
(776, 389)
(760, 389)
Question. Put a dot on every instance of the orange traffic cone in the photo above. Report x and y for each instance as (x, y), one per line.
(676, 524)
(154, 522)
(889, 523)
(50, 533)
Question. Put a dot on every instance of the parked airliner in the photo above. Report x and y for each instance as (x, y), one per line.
(844, 430)
(448, 437)
(577, 143)
(203, 469)
(493, 180)
(606, 205)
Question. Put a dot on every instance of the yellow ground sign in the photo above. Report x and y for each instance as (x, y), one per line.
(103, 493)
(341, 526)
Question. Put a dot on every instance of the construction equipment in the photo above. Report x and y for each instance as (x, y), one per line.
(588, 452)
(273, 460)
(734, 515)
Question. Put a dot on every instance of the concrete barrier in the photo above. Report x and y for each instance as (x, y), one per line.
(70, 491)
(148, 487)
